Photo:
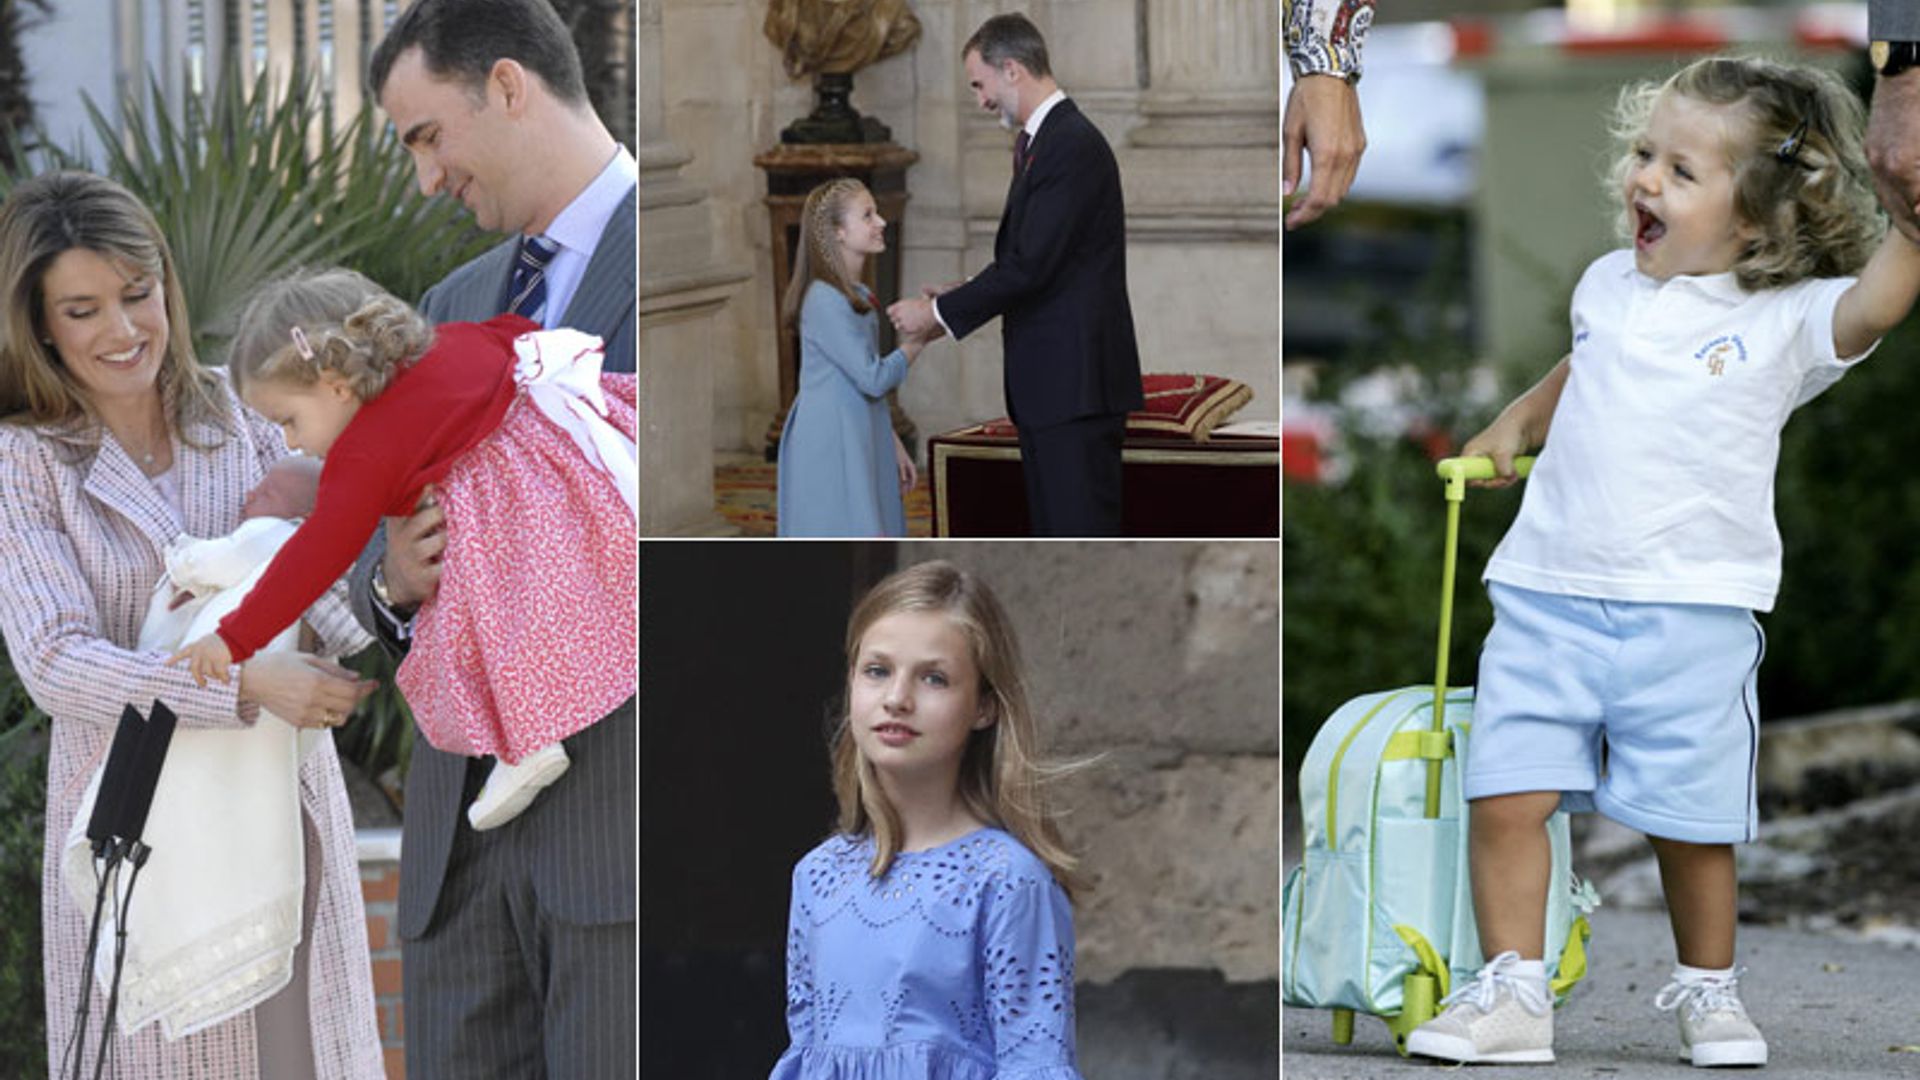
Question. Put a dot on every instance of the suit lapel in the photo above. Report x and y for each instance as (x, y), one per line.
(1016, 206)
(204, 484)
(491, 278)
(606, 292)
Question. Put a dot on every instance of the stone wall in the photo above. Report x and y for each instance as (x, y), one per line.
(1161, 659)
(1186, 90)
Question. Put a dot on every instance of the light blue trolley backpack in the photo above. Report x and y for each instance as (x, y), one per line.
(1378, 918)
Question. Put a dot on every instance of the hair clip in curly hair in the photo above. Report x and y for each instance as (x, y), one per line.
(300, 343)
(1789, 149)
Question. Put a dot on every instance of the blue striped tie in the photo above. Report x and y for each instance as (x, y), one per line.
(527, 292)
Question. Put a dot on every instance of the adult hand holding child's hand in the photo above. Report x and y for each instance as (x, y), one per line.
(1893, 149)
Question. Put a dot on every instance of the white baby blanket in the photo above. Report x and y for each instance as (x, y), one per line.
(215, 919)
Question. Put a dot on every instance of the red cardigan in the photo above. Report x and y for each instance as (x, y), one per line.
(436, 408)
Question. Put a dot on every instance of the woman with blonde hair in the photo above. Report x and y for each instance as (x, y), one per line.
(932, 934)
(843, 471)
(114, 441)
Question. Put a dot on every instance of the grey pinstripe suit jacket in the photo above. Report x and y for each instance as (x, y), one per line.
(1893, 20)
(588, 867)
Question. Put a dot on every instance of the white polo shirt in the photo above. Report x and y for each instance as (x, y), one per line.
(1656, 482)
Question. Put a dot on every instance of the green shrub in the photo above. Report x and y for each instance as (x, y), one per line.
(1846, 629)
(1362, 554)
(1362, 557)
(248, 184)
(23, 782)
(1362, 582)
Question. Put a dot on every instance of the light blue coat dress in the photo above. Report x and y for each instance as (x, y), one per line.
(957, 965)
(837, 471)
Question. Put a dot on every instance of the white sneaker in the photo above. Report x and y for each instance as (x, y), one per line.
(1714, 1026)
(1499, 1017)
(510, 789)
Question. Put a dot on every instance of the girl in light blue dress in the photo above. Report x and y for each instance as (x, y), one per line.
(843, 471)
(931, 937)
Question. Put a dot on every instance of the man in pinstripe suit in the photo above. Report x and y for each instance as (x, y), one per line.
(518, 941)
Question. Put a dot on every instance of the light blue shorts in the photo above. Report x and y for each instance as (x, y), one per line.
(1644, 712)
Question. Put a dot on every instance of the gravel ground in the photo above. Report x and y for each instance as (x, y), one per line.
(1831, 1010)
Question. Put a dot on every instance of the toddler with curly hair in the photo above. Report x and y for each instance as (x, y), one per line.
(531, 635)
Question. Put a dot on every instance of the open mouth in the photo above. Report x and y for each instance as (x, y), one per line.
(1648, 228)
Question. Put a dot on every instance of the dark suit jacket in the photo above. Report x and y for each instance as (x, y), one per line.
(1058, 281)
(1893, 20)
(604, 304)
(588, 861)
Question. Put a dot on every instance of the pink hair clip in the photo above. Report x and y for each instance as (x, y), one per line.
(300, 343)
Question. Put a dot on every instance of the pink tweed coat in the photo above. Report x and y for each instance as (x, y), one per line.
(81, 546)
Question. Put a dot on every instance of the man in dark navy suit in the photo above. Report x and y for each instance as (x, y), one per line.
(1058, 282)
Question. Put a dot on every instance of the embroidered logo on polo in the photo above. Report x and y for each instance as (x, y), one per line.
(1718, 352)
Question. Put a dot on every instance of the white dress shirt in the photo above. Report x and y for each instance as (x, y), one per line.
(577, 230)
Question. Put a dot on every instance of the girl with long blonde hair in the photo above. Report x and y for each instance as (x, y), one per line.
(843, 471)
(932, 935)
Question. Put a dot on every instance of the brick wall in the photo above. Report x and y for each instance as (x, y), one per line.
(379, 851)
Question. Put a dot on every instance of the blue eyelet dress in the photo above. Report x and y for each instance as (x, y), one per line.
(957, 965)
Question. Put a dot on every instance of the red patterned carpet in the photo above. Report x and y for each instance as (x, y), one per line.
(743, 492)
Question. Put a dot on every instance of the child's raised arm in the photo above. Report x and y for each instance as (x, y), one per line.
(1521, 426)
(1880, 299)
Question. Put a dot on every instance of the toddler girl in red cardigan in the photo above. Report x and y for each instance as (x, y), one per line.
(531, 635)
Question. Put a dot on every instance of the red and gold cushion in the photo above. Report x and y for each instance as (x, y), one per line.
(1177, 407)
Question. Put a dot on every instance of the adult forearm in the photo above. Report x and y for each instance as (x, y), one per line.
(90, 680)
(1893, 148)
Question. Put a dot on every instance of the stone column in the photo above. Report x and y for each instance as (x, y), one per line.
(1201, 173)
(684, 293)
(1213, 70)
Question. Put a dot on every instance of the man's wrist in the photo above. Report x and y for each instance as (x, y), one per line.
(384, 594)
(1892, 59)
(1350, 77)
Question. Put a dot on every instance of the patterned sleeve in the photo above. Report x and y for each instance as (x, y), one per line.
(799, 982)
(1324, 36)
(50, 618)
(1028, 959)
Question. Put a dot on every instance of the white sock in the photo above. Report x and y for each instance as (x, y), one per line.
(1534, 971)
(1691, 976)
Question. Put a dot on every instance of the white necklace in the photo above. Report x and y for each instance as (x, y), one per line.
(146, 458)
